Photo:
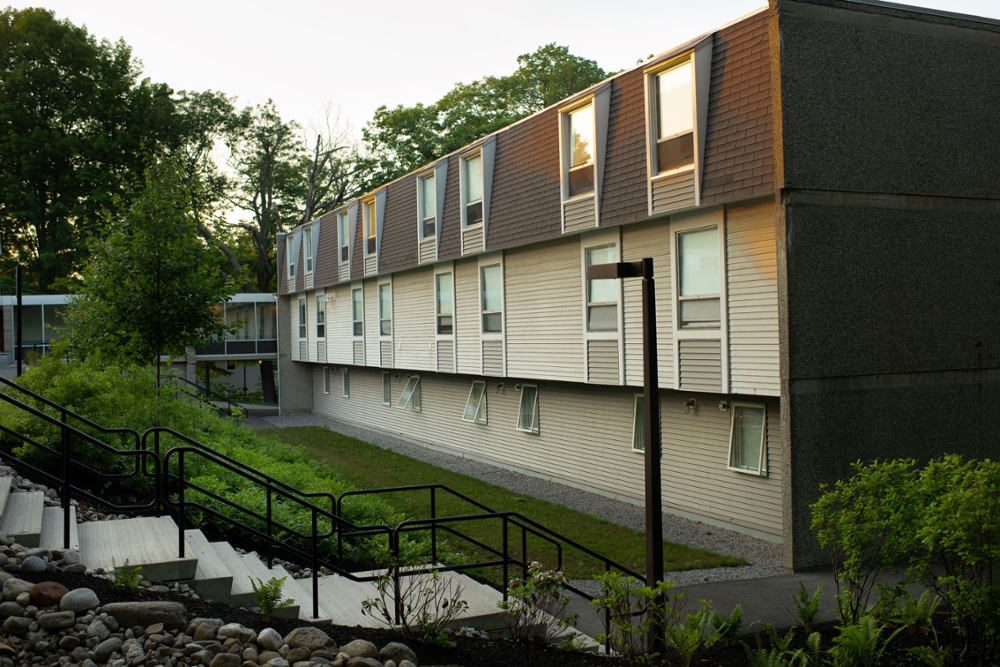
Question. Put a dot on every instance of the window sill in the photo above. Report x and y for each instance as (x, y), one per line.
(475, 226)
(586, 195)
(752, 473)
(672, 172)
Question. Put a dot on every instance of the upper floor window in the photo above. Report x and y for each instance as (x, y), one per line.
(385, 309)
(674, 118)
(472, 178)
(358, 311)
(491, 286)
(289, 250)
(307, 235)
(580, 151)
(428, 207)
(302, 318)
(342, 235)
(602, 295)
(699, 279)
(320, 316)
(368, 213)
(444, 303)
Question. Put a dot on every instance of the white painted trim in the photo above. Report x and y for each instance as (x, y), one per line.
(386, 280)
(534, 430)
(360, 286)
(564, 161)
(463, 190)
(482, 404)
(420, 209)
(413, 401)
(592, 240)
(762, 469)
(446, 267)
(490, 260)
(343, 215)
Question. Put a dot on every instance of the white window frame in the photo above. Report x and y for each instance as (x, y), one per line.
(386, 388)
(345, 383)
(587, 242)
(378, 307)
(480, 416)
(303, 318)
(410, 396)
(638, 423)
(534, 425)
(289, 251)
(422, 205)
(369, 223)
(321, 316)
(566, 148)
(360, 290)
(486, 262)
(326, 380)
(762, 466)
(343, 238)
(464, 188)
(652, 97)
(444, 271)
(307, 242)
(687, 223)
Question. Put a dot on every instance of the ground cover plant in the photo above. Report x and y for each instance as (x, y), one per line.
(368, 466)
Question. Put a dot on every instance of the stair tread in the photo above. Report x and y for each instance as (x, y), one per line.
(144, 541)
(52, 529)
(238, 567)
(22, 517)
(299, 590)
(210, 566)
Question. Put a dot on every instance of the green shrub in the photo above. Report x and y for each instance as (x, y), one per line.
(268, 596)
(634, 612)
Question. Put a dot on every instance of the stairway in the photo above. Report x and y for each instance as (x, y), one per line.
(213, 569)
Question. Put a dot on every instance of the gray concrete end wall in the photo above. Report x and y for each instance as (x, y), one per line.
(294, 378)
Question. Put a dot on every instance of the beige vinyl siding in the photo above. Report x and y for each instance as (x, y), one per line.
(544, 304)
(493, 357)
(372, 350)
(602, 361)
(701, 364)
(428, 250)
(359, 352)
(385, 353)
(695, 473)
(371, 264)
(467, 316)
(413, 319)
(673, 192)
(579, 214)
(590, 426)
(339, 326)
(295, 327)
(311, 325)
(344, 270)
(752, 274)
(639, 242)
(446, 356)
(472, 240)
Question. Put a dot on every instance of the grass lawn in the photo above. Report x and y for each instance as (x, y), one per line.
(368, 466)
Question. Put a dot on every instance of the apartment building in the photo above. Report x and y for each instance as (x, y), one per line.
(817, 186)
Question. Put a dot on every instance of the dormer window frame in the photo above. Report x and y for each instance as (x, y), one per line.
(289, 254)
(653, 81)
(464, 182)
(343, 238)
(369, 228)
(567, 168)
(307, 250)
(422, 197)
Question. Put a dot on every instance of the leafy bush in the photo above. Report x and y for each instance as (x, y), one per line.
(634, 612)
(427, 604)
(535, 609)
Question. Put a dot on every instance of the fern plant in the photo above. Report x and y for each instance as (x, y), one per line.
(268, 596)
(692, 635)
(125, 577)
(861, 644)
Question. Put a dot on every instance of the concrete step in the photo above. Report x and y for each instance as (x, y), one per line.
(243, 568)
(341, 598)
(300, 590)
(149, 542)
(212, 580)
(5, 484)
(258, 570)
(52, 529)
(22, 518)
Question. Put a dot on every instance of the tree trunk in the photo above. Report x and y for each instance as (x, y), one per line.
(267, 381)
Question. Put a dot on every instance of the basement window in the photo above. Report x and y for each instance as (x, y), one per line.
(386, 389)
(527, 414)
(746, 439)
(411, 394)
(639, 424)
(475, 407)
(347, 384)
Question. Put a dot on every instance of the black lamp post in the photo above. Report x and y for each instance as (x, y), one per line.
(650, 417)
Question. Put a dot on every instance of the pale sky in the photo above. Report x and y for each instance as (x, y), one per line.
(307, 54)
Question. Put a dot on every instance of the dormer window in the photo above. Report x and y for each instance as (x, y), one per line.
(428, 208)
(368, 213)
(472, 180)
(307, 234)
(289, 250)
(579, 147)
(674, 118)
(343, 236)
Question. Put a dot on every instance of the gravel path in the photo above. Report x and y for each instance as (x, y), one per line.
(765, 557)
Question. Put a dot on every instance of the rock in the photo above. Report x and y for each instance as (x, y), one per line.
(171, 614)
(204, 631)
(397, 653)
(70, 558)
(226, 660)
(76, 568)
(313, 639)
(3, 559)
(98, 629)
(280, 662)
(363, 662)
(250, 654)
(297, 655)
(14, 587)
(267, 656)
(215, 623)
(33, 565)
(360, 648)
(79, 600)
(69, 642)
(57, 620)
(24, 599)
(154, 629)
(17, 625)
(238, 632)
(389, 663)
(47, 593)
(269, 639)
(44, 554)
(104, 650)
(407, 663)
(202, 657)
(11, 609)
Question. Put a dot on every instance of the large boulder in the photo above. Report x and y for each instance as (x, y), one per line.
(57, 620)
(269, 639)
(79, 600)
(130, 614)
(360, 648)
(313, 639)
(397, 653)
(14, 587)
(47, 593)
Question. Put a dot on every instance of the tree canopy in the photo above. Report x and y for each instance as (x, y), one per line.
(402, 139)
(76, 127)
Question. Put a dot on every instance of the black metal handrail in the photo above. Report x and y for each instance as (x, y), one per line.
(66, 463)
(209, 394)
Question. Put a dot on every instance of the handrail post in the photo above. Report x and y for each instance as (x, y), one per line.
(158, 485)
(66, 439)
(524, 552)
(434, 545)
(340, 532)
(607, 617)
(270, 533)
(315, 564)
(506, 560)
(394, 564)
(180, 504)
